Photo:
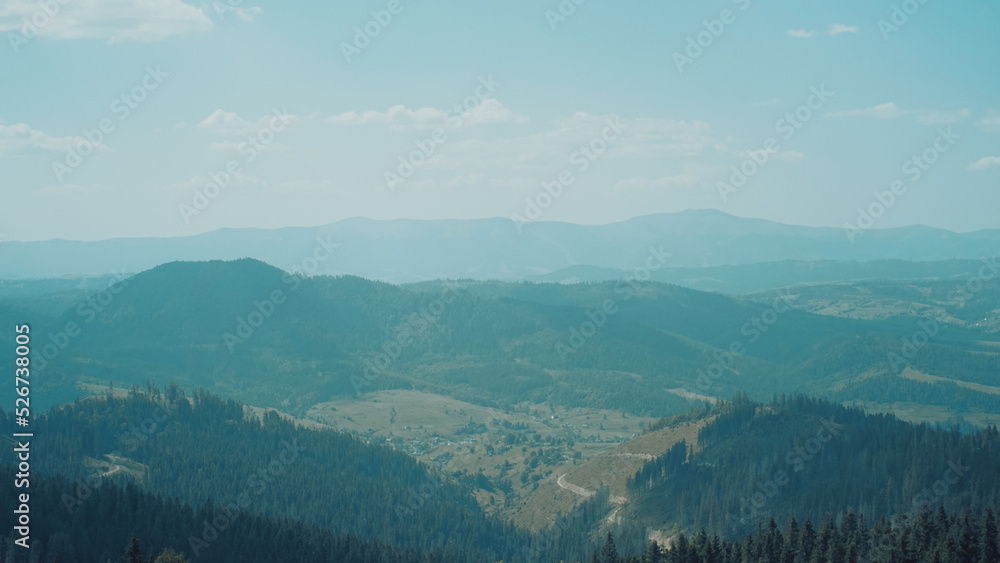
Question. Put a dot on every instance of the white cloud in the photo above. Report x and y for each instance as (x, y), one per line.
(482, 182)
(20, 137)
(200, 181)
(927, 117)
(490, 111)
(63, 190)
(882, 111)
(780, 155)
(892, 111)
(229, 146)
(224, 146)
(838, 28)
(656, 137)
(788, 155)
(398, 116)
(984, 163)
(676, 182)
(991, 122)
(643, 138)
(114, 21)
(248, 14)
(801, 33)
(223, 122)
(230, 124)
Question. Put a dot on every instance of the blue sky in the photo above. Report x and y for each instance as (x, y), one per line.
(208, 85)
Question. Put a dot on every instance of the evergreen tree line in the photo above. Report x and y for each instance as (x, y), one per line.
(146, 524)
(933, 536)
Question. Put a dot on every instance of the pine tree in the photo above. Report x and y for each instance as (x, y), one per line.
(133, 553)
(968, 545)
(807, 541)
(680, 549)
(609, 553)
(653, 553)
(170, 556)
(988, 552)
(792, 540)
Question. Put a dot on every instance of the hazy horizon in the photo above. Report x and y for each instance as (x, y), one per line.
(486, 218)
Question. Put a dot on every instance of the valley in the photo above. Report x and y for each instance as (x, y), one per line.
(500, 282)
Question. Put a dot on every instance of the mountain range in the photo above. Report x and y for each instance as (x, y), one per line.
(405, 250)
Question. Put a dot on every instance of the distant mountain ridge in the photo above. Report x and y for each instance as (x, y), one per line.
(404, 250)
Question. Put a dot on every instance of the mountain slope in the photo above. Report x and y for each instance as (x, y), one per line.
(806, 458)
(249, 331)
(206, 450)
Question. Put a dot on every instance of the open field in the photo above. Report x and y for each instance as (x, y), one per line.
(910, 412)
(573, 483)
(515, 450)
(927, 378)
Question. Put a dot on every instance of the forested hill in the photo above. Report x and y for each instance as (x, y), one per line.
(252, 332)
(807, 458)
(207, 450)
(99, 529)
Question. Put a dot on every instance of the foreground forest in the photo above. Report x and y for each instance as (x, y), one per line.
(150, 462)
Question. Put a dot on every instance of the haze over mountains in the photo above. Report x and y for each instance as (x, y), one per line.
(573, 382)
(410, 250)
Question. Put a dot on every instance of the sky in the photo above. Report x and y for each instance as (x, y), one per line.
(129, 118)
